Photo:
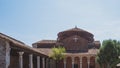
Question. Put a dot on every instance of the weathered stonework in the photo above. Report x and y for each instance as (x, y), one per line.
(7, 54)
(4, 54)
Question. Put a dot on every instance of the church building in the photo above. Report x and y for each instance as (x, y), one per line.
(81, 50)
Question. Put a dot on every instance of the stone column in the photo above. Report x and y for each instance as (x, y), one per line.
(88, 59)
(21, 59)
(65, 63)
(47, 62)
(43, 62)
(80, 62)
(72, 62)
(30, 61)
(38, 61)
(50, 63)
(7, 57)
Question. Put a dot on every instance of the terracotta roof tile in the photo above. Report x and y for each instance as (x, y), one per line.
(20, 44)
(46, 41)
(74, 29)
(48, 51)
(10, 38)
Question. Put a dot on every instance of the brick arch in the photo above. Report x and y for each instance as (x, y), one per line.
(92, 62)
(77, 61)
(84, 62)
(68, 62)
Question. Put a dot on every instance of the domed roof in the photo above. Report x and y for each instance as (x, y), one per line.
(76, 31)
(73, 31)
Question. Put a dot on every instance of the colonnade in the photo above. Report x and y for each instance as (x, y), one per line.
(80, 61)
(31, 60)
(46, 64)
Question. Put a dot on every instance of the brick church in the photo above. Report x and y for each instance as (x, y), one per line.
(81, 50)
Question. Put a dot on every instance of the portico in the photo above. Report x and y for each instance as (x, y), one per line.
(19, 55)
(78, 61)
(81, 50)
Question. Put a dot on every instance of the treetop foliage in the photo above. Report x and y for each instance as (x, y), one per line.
(109, 54)
(58, 53)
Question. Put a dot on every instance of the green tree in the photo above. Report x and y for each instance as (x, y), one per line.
(108, 56)
(58, 54)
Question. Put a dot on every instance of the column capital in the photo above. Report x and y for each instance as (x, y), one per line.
(80, 56)
(30, 54)
(88, 59)
(30, 60)
(21, 59)
(72, 62)
(47, 59)
(38, 61)
(38, 57)
(80, 60)
(43, 58)
(64, 62)
(43, 61)
(21, 53)
(88, 56)
(88, 62)
(72, 59)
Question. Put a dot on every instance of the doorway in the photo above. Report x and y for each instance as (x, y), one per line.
(75, 65)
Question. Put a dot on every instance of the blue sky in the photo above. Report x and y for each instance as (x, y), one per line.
(33, 20)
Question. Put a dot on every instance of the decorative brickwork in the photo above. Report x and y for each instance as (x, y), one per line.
(81, 48)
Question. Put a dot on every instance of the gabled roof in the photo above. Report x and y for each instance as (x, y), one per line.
(20, 44)
(10, 38)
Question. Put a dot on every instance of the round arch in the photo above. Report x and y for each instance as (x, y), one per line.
(84, 62)
(76, 62)
(68, 62)
(92, 62)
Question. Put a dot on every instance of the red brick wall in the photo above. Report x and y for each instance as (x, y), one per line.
(84, 62)
(92, 62)
(77, 61)
(14, 62)
(70, 44)
(69, 62)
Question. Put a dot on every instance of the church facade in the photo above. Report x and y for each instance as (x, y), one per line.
(81, 50)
